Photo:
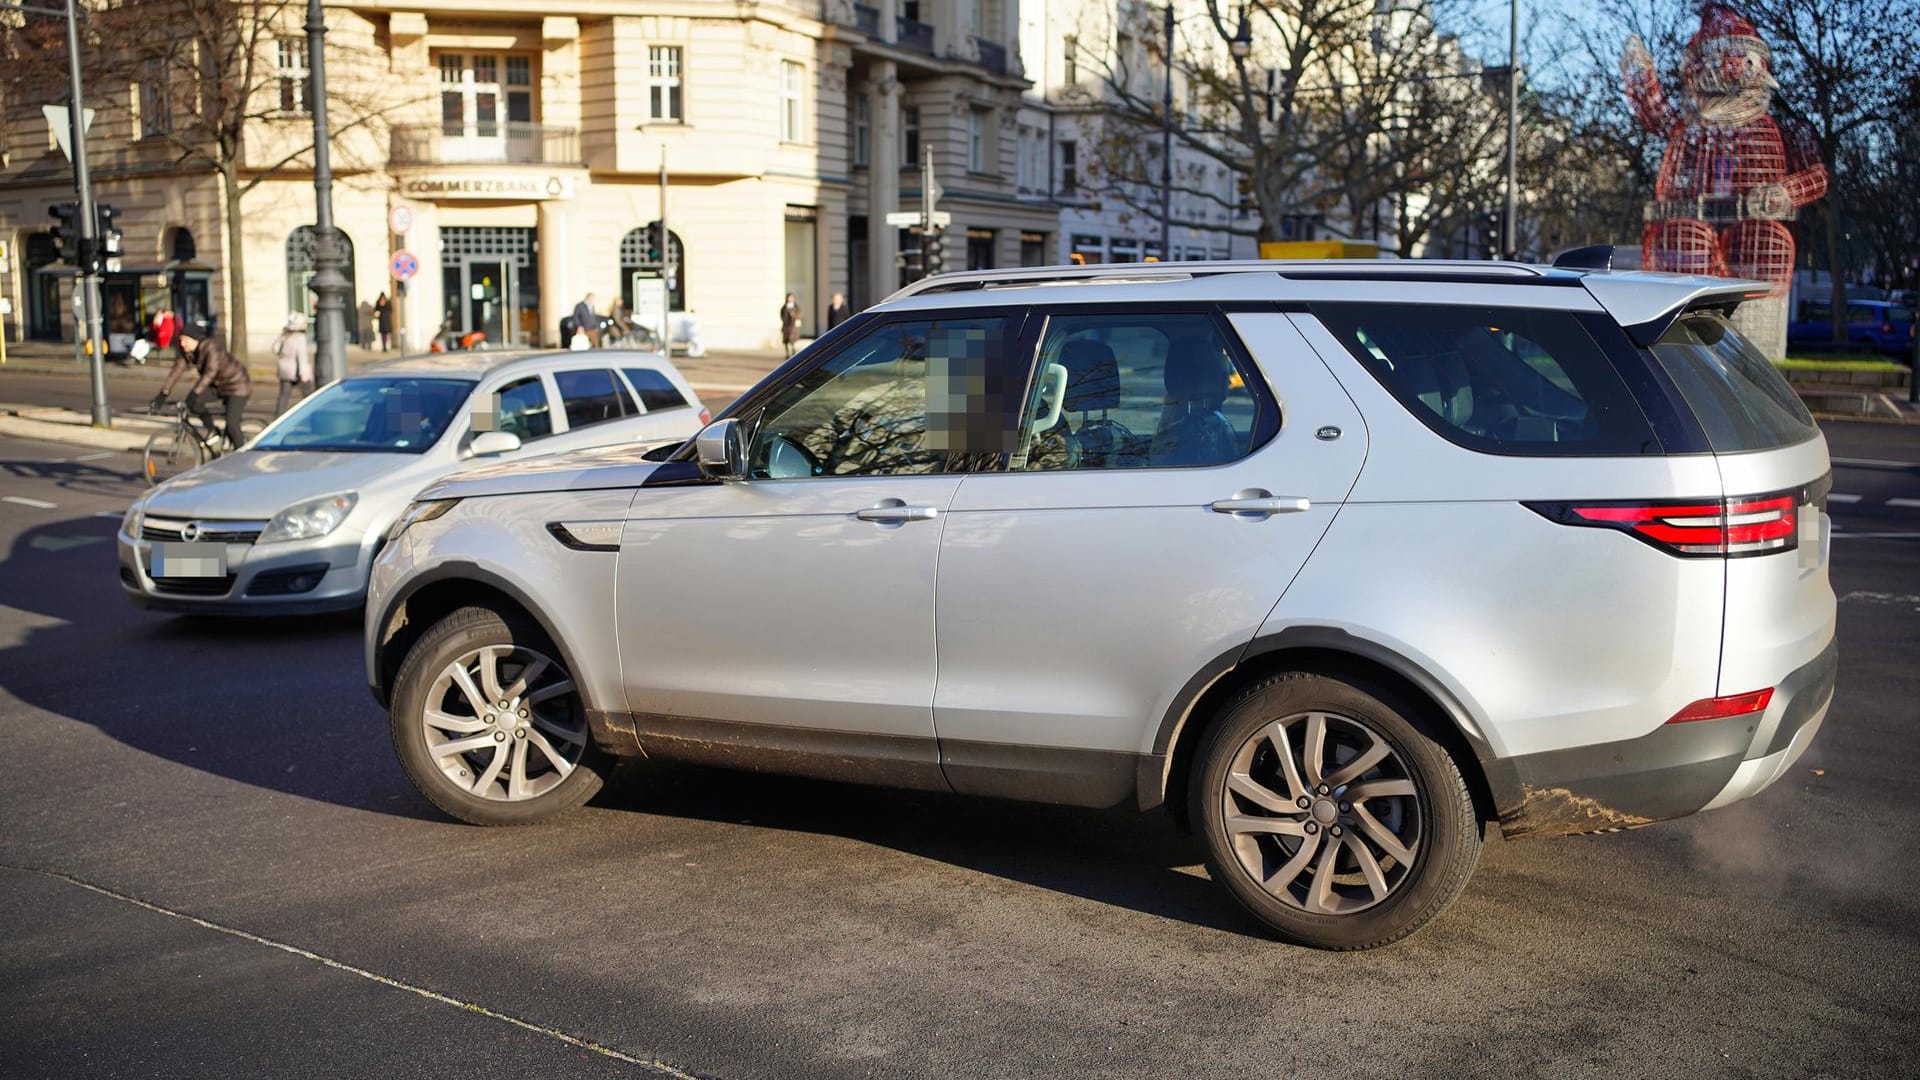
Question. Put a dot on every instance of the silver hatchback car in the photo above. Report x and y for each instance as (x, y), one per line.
(1338, 562)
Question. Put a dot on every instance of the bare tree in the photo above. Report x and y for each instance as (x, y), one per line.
(209, 84)
(1330, 107)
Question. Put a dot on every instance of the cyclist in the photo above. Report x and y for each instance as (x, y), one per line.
(221, 376)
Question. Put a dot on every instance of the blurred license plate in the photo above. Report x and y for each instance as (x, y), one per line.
(193, 559)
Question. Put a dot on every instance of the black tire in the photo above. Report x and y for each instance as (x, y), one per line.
(460, 633)
(170, 453)
(1447, 832)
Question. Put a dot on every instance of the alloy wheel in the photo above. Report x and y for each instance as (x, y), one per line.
(1323, 813)
(504, 722)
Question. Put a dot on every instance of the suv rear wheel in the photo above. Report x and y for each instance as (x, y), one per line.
(489, 725)
(1329, 815)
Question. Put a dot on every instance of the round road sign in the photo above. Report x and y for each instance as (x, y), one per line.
(405, 265)
(400, 219)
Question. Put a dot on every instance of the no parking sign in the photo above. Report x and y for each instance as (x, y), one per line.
(405, 265)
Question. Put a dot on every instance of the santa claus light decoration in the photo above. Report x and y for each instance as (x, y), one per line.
(1732, 175)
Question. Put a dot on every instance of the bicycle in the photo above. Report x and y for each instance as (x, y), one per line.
(173, 450)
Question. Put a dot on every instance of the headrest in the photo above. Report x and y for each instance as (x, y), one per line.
(1093, 377)
(1197, 371)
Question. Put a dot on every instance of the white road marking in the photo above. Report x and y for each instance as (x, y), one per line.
(114, 514)
(94, 457)
(22, 500)
(1841, 498)
(657, 1068)
(1875, 463)
(1908, 503)
(1877, 536)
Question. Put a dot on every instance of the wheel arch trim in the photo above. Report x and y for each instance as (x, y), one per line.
(462, 570)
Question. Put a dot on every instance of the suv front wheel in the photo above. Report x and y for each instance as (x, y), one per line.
(489, 724)
(1329, 815)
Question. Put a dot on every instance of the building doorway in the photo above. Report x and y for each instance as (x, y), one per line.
(802, 243)
(490, 282)
(43, 287)
(638, 256)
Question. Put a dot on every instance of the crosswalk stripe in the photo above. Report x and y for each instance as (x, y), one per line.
(1842, 498)
(22, 500)
(1909, 503)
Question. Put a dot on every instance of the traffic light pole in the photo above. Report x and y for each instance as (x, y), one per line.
(89, 280)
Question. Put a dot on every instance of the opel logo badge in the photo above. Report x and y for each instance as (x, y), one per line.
(190, 532)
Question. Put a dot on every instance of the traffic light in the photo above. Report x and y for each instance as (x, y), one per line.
(66, 230)
(106, 232)
(936, 258)
(652, 242)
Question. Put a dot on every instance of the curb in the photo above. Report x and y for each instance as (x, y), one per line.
(74, 434)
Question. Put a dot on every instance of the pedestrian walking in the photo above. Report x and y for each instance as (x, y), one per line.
(619, 322)
(586, 321)
(838, 311)
(790, 323)
(294, 354)
(383, 321)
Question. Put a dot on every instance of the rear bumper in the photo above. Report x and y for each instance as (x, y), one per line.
(1676, 770)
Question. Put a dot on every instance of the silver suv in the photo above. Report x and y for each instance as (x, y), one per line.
(1338, 562)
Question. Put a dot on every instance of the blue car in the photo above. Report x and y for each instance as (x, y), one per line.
(1875, 325)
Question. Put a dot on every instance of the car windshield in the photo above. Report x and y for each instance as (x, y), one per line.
(387, 415)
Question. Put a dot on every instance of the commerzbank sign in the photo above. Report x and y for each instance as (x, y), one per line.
(511, 185)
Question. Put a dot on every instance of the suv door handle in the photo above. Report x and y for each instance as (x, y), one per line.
(1258, 502)
(895, 512)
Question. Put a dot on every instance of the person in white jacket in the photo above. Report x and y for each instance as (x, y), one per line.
(295, 356)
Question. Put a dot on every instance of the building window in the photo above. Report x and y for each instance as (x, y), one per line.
(1033, 249)
(909, 135)
(862, 129)
(792, 100)
(290, 70)
(1069, 167)
(1070, 60)
(1088, 248)
(978, 123)
(156, 100)
(519, 90)
(663, 84)
(980, 243)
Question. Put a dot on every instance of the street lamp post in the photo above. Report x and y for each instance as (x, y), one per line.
(329, 282)
(89, 280)
(1166, 148)
(1509, 243)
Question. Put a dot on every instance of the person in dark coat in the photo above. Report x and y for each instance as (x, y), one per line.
(587, 321)
(838, 311)
(222, 378)
(383, 321)
(790, 323)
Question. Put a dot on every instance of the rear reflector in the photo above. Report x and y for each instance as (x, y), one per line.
(1743, 525)
(1719, 708)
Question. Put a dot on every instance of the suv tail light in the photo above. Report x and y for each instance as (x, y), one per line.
(1742, 525)
(1719, 708)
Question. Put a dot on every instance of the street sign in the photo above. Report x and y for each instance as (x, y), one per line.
(405, 265)
(6, 305)
(907, 219)
(400, 219)
(62, 129)
(6, 257)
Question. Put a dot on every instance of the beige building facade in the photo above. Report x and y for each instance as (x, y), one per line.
(522, 152)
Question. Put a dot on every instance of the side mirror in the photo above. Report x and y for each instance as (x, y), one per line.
(494, 443)
(721, 448)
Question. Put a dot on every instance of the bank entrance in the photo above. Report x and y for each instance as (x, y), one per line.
(490, 277)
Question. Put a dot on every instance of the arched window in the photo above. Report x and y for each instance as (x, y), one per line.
(300, 296)
(180, 245)
(637, 257)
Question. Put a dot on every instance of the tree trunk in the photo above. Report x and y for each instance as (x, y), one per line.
(1836, 283)
(236, 274)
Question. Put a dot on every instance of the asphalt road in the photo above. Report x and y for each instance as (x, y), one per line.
(210, 865)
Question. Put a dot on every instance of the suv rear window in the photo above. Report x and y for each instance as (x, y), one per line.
(1499, 380)
(1742, 401)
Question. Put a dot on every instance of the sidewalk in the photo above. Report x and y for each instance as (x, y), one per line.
(49, 423)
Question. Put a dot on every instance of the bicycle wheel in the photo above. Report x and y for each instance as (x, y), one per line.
(170, 453)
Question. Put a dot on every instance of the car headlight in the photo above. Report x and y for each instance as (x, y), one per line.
(304, 521)
(417, 512)
(136, 514)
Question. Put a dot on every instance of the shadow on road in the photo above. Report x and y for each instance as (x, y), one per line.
(77, 476)
(281, 704)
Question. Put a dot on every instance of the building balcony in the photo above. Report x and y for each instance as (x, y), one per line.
(495, 144)
(993, 56)
(913, 34)
(866, 20)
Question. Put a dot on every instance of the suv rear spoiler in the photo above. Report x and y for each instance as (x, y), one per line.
(1645, 304)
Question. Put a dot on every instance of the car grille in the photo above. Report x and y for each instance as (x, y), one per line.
(194, 586)
(169, 530)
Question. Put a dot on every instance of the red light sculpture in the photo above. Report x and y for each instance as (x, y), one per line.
(1732, 174)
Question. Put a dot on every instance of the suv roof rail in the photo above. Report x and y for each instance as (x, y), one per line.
(1135, 273)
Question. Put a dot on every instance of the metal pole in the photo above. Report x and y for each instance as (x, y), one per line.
(1913, 364)
(89, 280)
(1166, 150)
(1509, 243)
(329, 254)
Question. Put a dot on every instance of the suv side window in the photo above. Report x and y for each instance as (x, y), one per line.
(521, 408)
(926, 396)
(591, 396)
(655, 389)
(1130, 391)
(1500, 380)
